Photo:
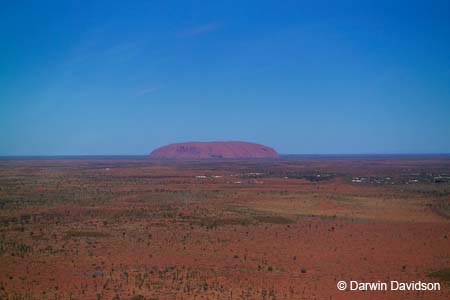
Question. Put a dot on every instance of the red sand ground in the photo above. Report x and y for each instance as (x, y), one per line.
(137, 229)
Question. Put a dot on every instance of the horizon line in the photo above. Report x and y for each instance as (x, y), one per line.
(280, 155)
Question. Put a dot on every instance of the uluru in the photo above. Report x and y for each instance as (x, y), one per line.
(227, 149)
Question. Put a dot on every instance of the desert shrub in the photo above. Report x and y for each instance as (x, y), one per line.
(273, 219)
(88, 234)
(443, 275)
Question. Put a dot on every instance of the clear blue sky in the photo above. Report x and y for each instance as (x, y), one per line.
(111, 77)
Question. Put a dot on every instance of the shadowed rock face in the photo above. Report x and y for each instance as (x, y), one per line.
(214, 150)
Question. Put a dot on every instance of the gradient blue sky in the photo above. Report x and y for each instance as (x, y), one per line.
(301, 76)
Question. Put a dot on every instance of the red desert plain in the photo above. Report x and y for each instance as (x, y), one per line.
(290, 227)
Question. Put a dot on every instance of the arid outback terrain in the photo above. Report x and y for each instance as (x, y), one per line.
(287, 228)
